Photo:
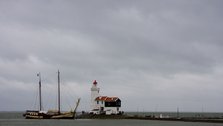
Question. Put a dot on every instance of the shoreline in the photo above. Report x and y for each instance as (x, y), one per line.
(130, 116)
(184, 119)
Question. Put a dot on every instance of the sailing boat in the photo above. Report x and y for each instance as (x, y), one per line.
(40, 114)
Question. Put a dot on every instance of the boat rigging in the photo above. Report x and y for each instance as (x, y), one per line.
(40, 114)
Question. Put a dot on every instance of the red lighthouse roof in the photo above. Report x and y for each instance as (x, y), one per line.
(95, 82)
(106, 98)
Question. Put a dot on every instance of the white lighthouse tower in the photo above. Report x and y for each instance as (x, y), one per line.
(94, 95)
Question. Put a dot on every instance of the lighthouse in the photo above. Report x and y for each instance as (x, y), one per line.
(94, 94)
(103, 104)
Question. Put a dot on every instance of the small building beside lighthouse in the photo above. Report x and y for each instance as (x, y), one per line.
(103, 104)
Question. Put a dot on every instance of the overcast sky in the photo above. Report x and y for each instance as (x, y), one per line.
(155, 55)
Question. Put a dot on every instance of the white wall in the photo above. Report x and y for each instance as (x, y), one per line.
(94, 95)
(111, 110)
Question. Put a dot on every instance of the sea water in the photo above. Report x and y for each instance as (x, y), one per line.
(16, 119)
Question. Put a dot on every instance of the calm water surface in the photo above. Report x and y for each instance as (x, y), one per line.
(15, 119)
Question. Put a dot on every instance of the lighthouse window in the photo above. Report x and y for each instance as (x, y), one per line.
(97, 102)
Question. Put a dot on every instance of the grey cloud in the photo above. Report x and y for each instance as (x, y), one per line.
(128, 46)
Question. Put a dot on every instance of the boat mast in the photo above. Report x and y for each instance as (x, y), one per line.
(40, 96)
(178, 115)
(58, 91)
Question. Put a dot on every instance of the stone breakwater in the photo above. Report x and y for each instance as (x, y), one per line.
(186, 119)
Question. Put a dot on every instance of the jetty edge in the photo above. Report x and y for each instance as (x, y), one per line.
(126, 116)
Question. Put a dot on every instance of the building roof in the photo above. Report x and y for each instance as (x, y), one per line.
(95, 82)
(106, 98)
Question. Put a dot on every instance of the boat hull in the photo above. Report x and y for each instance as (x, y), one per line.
(39, 115)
